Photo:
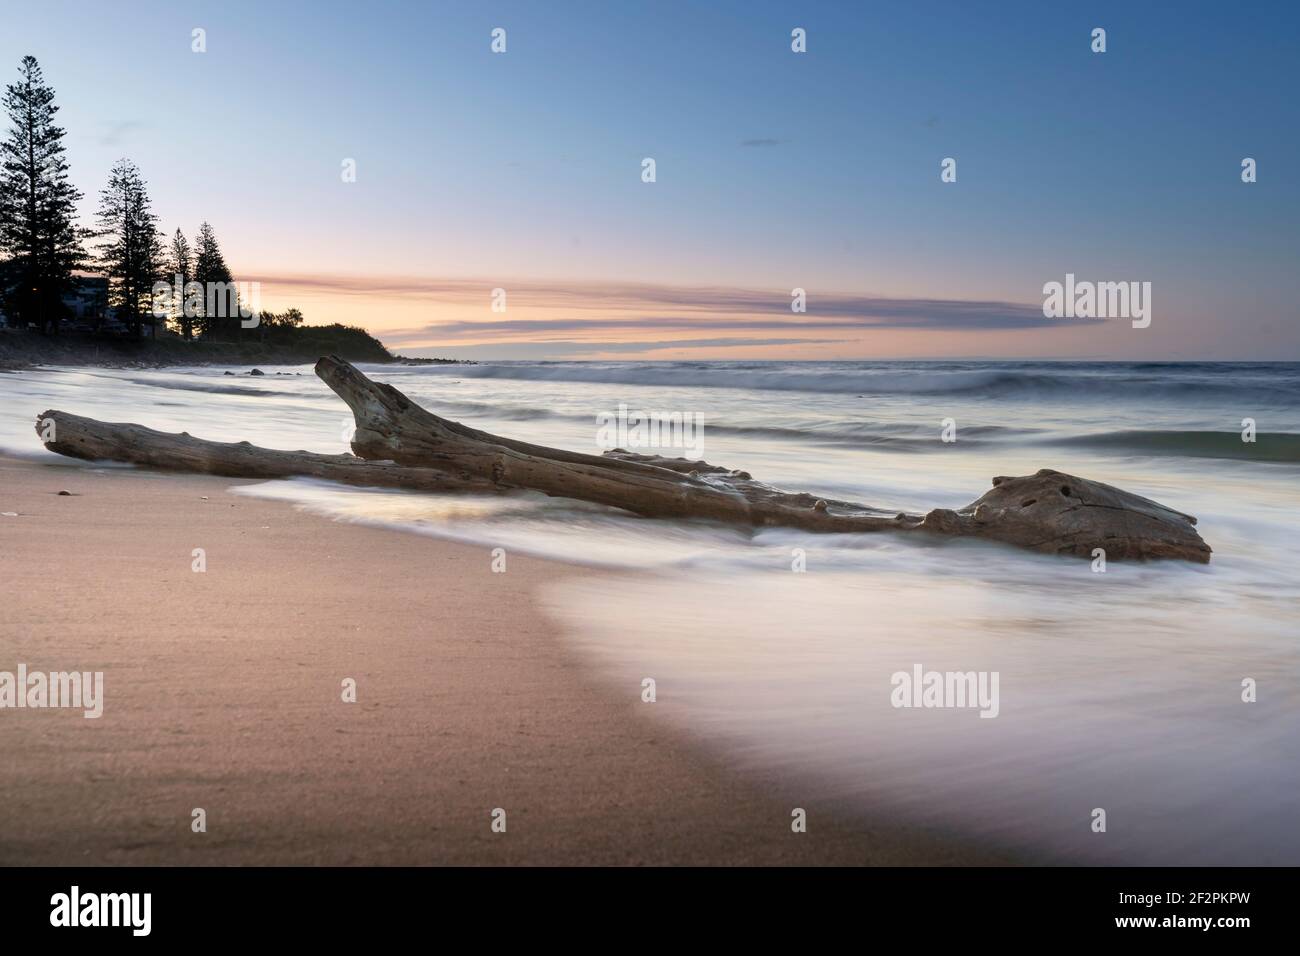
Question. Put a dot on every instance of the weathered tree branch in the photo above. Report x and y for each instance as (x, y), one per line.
(400, 444)
(93, 440)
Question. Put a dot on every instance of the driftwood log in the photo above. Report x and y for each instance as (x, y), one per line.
(94, 440)
(398, 444)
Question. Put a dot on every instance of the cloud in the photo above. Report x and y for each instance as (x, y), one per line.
(547, 310)
(567, 349)
(116, 132)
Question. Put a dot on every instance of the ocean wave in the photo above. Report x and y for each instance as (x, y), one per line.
(1282, 447)
(902, 436)
(1203, 382)
(209, 388)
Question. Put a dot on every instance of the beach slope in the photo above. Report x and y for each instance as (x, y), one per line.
(223, 690)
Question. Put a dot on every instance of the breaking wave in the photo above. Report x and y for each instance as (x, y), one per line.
(1202, 382)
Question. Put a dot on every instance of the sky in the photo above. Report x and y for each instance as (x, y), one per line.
(774, 170)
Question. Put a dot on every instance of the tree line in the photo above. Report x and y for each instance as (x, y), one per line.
(43, 249)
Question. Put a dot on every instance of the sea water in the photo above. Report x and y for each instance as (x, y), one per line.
(1124, 690)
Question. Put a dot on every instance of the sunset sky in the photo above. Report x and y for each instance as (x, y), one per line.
(775, 170)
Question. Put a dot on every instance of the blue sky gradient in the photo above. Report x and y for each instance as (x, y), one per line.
(775, 170)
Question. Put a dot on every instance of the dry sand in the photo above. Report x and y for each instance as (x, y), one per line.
(223, 691)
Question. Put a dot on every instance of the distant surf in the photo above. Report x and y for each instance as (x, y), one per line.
(1080, 381)
(1195, 444)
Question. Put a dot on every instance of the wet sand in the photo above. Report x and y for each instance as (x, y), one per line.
(223, 691)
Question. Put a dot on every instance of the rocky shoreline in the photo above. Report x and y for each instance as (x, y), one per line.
(24, 350)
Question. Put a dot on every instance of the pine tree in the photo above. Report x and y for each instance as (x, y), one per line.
(132, 253)
(220, 312)
(37, 205)
(180, 274)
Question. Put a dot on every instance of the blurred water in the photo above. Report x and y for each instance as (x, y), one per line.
(1119, 690)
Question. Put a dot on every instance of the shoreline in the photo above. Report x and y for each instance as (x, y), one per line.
(222, 692)
(24, 350)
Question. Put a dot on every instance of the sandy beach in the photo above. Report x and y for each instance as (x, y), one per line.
(222, 690)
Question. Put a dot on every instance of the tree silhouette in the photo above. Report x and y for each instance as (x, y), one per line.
(132, 253)
(180, 273)
(220, 311)
(37, 205)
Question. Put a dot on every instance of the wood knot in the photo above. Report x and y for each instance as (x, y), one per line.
(820, 505)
